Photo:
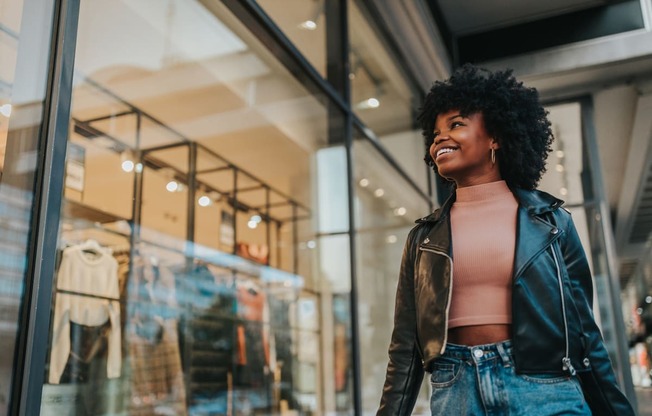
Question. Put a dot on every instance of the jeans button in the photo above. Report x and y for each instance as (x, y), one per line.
(478, 353)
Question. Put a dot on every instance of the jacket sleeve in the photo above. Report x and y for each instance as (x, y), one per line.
(599, 385)
(404, 371)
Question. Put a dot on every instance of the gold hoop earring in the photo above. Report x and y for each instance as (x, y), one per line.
(493, 156)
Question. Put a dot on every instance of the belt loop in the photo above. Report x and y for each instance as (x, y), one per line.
(503, 354)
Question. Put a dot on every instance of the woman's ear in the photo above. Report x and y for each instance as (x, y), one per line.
(495, 144)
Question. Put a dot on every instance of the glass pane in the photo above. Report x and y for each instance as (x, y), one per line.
(569, 177)
(636, 300)
(304, 23)
(191, 278)
(382, 99)
(386, 208)
(25, 33)
(566, 162)
(334, 261)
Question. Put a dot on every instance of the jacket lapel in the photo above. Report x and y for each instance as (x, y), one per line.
(439, 236)
(532, 237)
(534, 234)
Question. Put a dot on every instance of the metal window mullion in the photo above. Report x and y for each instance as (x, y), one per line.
(613, 293)
(30, 367)
(338, 65)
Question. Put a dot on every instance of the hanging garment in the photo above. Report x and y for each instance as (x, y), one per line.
(207, 332)
(252, 334)
(156, 375)
(83, 274)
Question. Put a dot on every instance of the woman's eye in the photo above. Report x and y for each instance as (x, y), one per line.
(456, 124)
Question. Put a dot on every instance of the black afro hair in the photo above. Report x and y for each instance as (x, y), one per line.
(512, 115)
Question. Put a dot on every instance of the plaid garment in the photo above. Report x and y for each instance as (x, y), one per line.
(157, 385)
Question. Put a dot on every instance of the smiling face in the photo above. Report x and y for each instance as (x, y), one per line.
(462, 149)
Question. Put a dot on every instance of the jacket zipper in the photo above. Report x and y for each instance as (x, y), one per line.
(450, 294)
(566, 364)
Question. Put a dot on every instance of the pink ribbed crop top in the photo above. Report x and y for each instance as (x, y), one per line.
(483, 228)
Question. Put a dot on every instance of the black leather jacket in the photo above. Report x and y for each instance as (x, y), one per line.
(553, 330)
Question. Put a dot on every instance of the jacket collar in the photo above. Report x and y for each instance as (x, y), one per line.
(535, 202)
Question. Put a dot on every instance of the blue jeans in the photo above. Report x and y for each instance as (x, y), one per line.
(480, 380)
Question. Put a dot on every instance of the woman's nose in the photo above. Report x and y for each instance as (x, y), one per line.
(441, 138)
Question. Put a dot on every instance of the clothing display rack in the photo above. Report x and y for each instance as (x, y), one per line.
(222, 334)
(275, 209)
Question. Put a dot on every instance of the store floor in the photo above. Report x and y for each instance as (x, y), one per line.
(644, 398)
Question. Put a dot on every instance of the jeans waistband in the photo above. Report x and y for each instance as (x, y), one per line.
(480, 353)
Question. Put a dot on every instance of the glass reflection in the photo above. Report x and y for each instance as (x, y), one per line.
(25, 35)
(190, 204)
(386, 210)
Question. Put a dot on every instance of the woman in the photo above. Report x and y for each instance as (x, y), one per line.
(495, 294)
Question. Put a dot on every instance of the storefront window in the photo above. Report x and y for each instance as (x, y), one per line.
(386, 208)
(569, 178)
(190, 279)
(381, 97)
(636, 301)
(304, 23)
(25, 33)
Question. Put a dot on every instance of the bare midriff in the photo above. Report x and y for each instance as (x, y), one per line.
(479, 334)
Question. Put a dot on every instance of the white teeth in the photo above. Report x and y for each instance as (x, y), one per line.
(445, 150)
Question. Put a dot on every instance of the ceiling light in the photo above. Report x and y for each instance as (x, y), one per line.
(172, 186)
(391, 239)
(373, 103)
(139, 167)
(560, 153)
(5, 110)
(400, 211)
(368, 103)
(648, 299)
(563, 191)
(256, 218)
(128, 166)
(559, 168)
(364, 182)
(379, 192)
(204, 201)
(127, 160)
(308, 25)
(311, 244)
(252, 224)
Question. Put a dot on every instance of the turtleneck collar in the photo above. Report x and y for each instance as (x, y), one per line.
(483, 192)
